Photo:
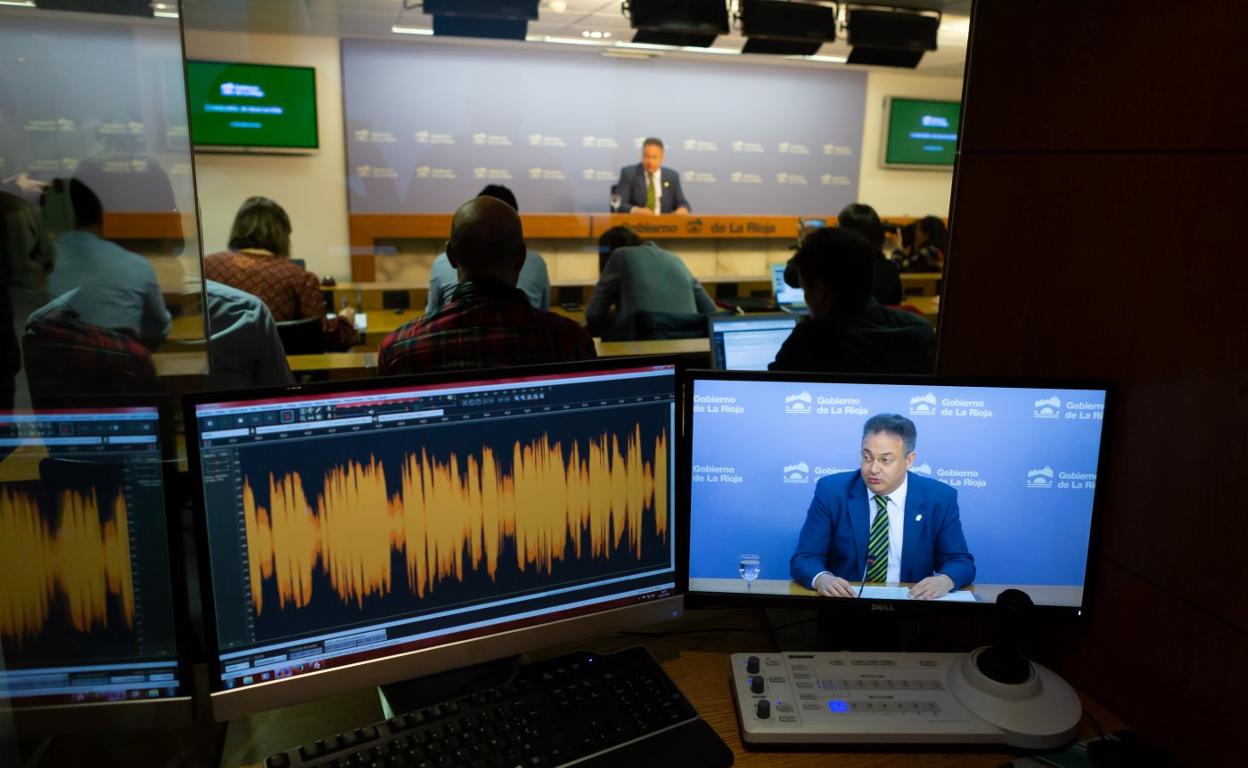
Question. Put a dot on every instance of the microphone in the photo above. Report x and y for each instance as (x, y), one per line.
(863, 581)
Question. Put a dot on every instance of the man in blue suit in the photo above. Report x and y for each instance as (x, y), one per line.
(648, 187)
(883, 523)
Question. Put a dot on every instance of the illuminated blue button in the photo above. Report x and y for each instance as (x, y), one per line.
(836, 705)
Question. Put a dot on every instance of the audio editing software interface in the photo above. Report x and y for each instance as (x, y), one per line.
(86, 612)
(361, 524)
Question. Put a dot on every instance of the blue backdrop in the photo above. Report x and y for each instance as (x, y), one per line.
(1023, 462)
(429, 125)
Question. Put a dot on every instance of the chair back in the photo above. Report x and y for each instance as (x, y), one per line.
(304, 336)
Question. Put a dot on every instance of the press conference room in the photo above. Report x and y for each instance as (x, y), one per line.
(585, 382)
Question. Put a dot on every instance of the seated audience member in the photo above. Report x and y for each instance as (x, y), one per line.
(65, 355)
(641, 277)
(244, 346)
(486, 322)
(534, 279)
(849, 331)
(927, 253)
(885, 277)
(125, 293)
(26, 257)
(258, 263)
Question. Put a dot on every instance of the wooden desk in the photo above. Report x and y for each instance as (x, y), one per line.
(920, 283)
(657, 347)
(693, 650)
(338, 365)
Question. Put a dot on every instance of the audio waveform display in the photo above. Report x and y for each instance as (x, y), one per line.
(540, 502)
(83, 558)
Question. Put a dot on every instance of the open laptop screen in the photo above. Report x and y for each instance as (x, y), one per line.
(749, 343)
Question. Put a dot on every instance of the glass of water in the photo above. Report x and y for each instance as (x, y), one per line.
(749, 566)
(616, 200)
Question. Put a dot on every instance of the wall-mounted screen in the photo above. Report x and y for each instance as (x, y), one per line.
(251, 105)
(920, 133)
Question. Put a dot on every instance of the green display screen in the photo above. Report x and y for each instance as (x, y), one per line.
(251, 105)
(922, 132)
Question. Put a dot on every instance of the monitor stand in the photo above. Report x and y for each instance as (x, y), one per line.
(420, 692)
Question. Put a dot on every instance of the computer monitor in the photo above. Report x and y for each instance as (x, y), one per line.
(748, 343)
(787, 297)
(1001, 491)
(87, 615)
(363, 533)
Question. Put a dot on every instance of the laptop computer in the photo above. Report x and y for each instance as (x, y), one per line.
(788, 299)
(748, 343)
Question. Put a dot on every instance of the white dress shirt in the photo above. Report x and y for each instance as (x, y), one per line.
(896, 530)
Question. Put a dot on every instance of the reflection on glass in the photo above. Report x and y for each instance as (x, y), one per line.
(101, 259)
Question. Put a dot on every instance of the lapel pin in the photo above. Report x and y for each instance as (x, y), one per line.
(918, 518)
(667, 183)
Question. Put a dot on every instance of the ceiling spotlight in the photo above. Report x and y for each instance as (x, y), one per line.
(890, 37)
(677, 22)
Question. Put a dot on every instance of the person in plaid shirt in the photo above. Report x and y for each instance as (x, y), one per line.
(487, 322)
(65, 355)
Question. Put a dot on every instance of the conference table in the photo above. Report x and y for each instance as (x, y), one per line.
(362, 361)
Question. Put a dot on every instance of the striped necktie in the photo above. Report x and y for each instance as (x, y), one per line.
(877, 547)
(650, 191)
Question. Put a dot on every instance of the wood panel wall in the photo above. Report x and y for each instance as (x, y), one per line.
(1104, 156)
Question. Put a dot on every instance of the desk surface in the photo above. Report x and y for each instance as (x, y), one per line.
(694, 651)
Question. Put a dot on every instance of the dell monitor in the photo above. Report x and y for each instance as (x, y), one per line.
(748, 343)
(363, 533)
(998, 485)
(87, 619)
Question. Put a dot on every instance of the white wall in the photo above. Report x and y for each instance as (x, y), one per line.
(894, 192)
(310, 187)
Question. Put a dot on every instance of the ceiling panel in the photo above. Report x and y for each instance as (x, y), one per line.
(569, 19)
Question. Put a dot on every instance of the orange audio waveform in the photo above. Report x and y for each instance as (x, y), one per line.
(85, 560)
(443, 510)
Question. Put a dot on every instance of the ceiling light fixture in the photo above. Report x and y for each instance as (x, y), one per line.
(400, 30)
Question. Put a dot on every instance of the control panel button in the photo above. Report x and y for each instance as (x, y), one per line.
(764, 710)
(756, 684)
(751, 665)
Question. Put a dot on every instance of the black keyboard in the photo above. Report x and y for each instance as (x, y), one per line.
(591, 710)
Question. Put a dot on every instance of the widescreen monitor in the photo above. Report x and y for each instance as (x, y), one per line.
(1000, 491)
(251, 105)
(363, 533)
(748, 343)
(87, 616)
(920, 133)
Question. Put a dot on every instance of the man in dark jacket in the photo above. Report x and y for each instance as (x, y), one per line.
(849, 331)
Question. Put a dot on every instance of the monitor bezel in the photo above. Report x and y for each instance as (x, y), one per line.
(141, 714)
(886, 164)
(917, 608)
(229, 704)
(289, 149)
